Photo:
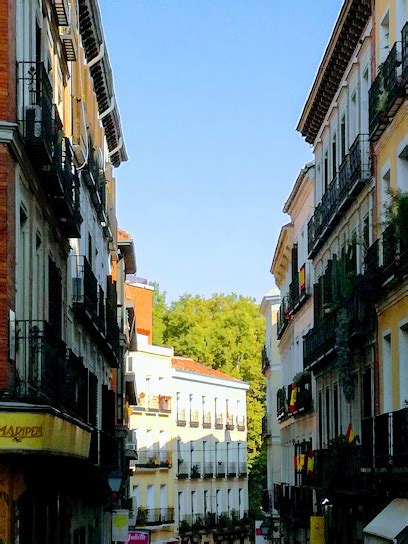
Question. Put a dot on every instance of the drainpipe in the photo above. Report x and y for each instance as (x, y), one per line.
(375, 208)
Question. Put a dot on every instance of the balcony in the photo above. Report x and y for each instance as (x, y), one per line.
(47, 373)
(35, 111)
(294, 503)
(298, 289)
(388, 90)
(94, 179)
(265, 360)
(150, 517)
(241, 423)
(282, 409)
(183, 471)
(208, 470)
(243, 470)
(219, 421)
(395, 257)
(181, 418)
(354, 173)
(220, 469)
(303, 398)
(284, 316)
(207, 420)
(338, 470)
(266, 432)
(385, 442)
(195, 471)
(152, 459)
(229, 424)
(320, 341)
(231, 469)
(224, 522)
(85, 289)
(153, 403)
(194, 418)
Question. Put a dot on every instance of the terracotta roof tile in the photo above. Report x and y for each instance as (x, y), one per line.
(189, 365)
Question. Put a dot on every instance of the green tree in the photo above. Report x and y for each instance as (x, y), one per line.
(225, 332)
(159, 314)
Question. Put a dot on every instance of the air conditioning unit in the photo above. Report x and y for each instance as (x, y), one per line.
(33, 121)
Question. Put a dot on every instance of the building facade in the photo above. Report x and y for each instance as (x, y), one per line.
(293, 275)
(211, 450)
(63, 339)
(188, 426)
(355, 117)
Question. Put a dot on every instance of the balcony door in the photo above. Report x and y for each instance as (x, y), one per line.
(164, 500)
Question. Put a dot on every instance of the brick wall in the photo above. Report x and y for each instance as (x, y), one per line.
(7, 186)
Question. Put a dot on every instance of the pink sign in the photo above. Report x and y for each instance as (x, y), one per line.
(139, 537)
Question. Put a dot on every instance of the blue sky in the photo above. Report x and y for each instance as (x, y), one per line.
(210, 92)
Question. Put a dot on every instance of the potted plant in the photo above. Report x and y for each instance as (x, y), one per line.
(195, 471)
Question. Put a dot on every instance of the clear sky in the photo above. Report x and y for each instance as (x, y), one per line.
(210, 92)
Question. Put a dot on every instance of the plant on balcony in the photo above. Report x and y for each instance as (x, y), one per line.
(184, 526)
(223, 520)
(301, 378)
(195, 471)
(396, 213)
(141, 516)
(198, 523)
(344, 360)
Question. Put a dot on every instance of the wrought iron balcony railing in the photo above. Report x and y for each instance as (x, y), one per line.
(243, 469)
(214, 522)
(194, 418)
(388, 91)
(265, 360)
(284, 316)
(154, 516)
(195, 470)
(241, 423)
(220, 468)
(353, 174)
(94, 178)
(229, 424)
(183, 469)
(48, 373)
(153, 458)
(208, 470)
(219, 421)
(35, 110)
(294, 503)
(338, 468)
(282, 408)
(207, 420)
(231, 469)
(181, 418)
(385, 441)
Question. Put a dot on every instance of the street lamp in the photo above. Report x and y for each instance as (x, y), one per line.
(115, 479)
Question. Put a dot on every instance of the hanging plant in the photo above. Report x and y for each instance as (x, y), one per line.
(344, 361)
(396, 213)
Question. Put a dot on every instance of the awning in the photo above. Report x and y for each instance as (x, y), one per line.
(391, 521)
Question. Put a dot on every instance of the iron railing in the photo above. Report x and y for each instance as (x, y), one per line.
(220, 469)
(208, 470)
(353, 174)
(385, 441)
(181, 418)
(154, 516)
(207, 420)
(388, 91)
(229, 424)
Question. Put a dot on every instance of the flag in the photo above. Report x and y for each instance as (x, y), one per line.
(302, 461)
(350, 436)
(292, 405)
(310, 463)
(296, 462)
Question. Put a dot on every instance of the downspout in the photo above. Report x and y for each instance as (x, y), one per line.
(375, 208)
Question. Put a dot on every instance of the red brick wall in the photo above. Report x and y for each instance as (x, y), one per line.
(7, 186)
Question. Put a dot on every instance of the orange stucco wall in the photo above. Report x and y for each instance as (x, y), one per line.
(143, 302)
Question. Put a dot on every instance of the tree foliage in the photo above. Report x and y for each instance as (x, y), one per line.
(225, 332)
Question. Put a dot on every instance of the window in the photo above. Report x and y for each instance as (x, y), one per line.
(334, 155)
(327, 407)
(384, 37)
(130, 364)
(229, 500)
(336, 411)
(325, 171)
(403, 366)
(367, 401)
(343, 137)
(320, 419)
(180, 505)
(90, 252)
(387, 376)
(402, 168)
(240, 503)
(218, 501)
(207, 506)
(385, 192)
(150, 497)
(353, 116)
(163, 496)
